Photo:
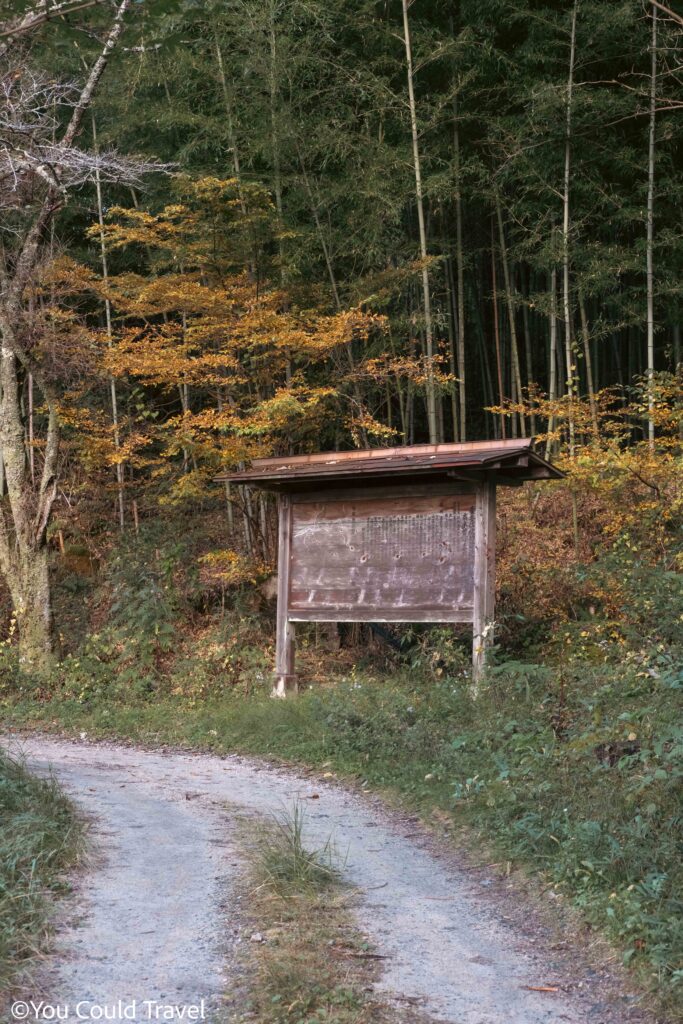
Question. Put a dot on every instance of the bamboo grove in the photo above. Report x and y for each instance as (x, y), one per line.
(423, 158)
(345, 223)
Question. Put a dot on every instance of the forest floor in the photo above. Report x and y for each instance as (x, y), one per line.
(161, 912)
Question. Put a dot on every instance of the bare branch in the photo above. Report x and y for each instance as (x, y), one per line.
(29, 106)
(95, 74)
(667, 10)
(39, 14)
(48, 483)
(53, 196)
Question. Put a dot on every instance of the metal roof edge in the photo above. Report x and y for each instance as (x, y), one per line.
(397, 461)
(364, 455)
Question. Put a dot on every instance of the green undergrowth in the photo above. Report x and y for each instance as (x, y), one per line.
(39, 839)
(568, 762)
(572, 771)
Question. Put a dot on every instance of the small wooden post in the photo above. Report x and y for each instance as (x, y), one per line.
(285, 678)
(484, 576)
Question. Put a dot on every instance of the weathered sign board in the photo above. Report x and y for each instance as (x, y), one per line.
(390, 535)
(409, 561)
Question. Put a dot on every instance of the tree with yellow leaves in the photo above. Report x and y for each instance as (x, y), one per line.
(244, 366)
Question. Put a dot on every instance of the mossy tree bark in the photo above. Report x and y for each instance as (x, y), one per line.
(24, 513)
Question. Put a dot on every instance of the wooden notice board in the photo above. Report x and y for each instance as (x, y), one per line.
(382, 559)
(405, 534)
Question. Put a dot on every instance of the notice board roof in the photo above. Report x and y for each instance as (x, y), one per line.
(509, 462)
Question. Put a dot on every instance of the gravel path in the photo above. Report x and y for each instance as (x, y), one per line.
(151, 919)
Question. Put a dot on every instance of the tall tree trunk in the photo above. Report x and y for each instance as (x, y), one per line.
(514, 347)
(650, 234)
(275, 136)
(25, 513)
(459, 262)
(486, 377)
(590, 383)
(452, 320)
(232, 140)
(528, 350)
(552, 353)
(432, 422)
(571, 388)
(460, 271)
(335, 291)
(496, 335)
(568, 332)
(319, 228)
(30, 590)
(399, 393)
(24, 516)
(234, 152)
(110, 339)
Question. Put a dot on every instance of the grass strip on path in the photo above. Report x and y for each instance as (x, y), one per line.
(307, 961)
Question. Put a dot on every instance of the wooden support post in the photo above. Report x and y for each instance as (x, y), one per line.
(285, 678)
(484, 576)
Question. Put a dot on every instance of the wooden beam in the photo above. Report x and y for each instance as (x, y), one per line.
(285, 677)
(383, 491)
(484, 576)
(373, 614)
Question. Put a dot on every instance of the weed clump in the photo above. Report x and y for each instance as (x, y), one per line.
(287, 865)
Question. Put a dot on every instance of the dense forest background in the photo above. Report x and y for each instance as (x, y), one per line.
(297, 225)
(280, 226)
(508, 151)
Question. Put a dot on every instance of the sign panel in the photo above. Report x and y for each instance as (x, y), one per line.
(409, 559)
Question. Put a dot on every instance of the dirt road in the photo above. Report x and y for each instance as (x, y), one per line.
(152, 917)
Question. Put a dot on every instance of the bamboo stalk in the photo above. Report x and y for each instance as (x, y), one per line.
(650, 234)
(565, 226)
(496, 335)
(552, 355)
(514, 347)
(452, 333)
(429, 339)
(529, 356)
(590, 384)
(460, 270)
(110, 337)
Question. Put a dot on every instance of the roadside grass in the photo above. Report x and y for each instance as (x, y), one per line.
(39, 838)
(571, 772)
(308, 964)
